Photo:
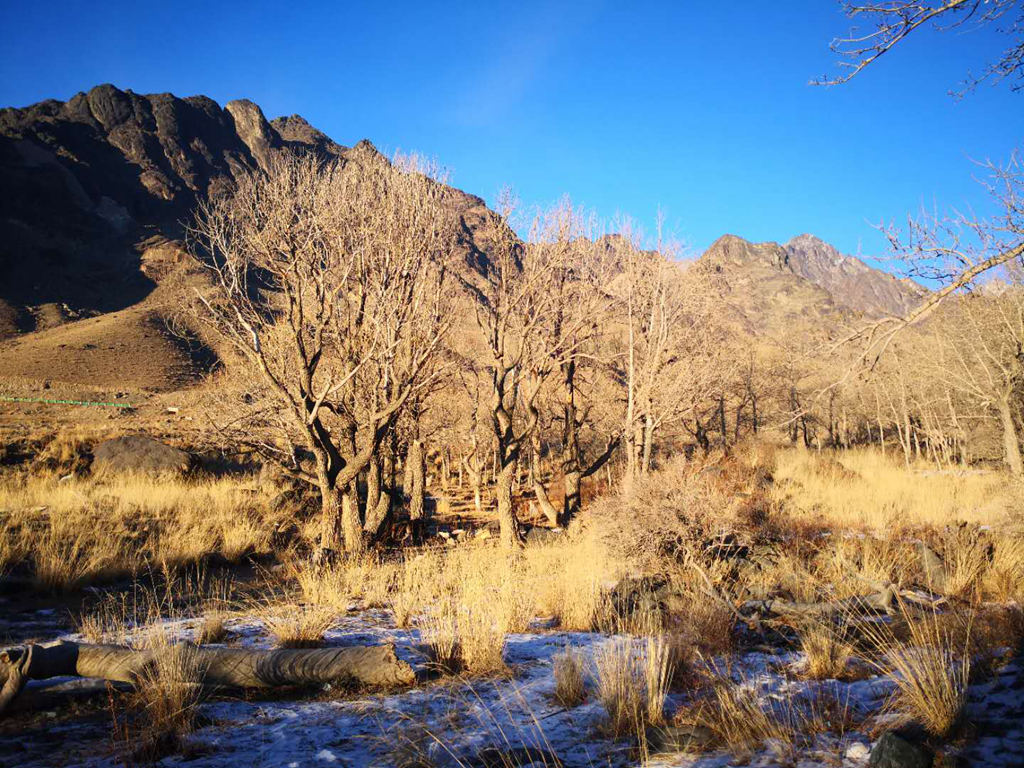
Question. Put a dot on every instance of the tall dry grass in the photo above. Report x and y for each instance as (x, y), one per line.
(68, 533)
(879, 492)
(931, 665)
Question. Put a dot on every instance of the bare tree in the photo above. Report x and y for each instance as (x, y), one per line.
(673, 355)
(562, 246)
(889, 23)
(329, 285)
(981, 354)
(511, 303)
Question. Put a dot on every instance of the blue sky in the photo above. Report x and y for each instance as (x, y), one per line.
(703, 109)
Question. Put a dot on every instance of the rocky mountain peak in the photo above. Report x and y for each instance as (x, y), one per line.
(732, 250)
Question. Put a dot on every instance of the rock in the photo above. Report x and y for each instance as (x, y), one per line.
(933, 567)
(679, 738)
(140, 453)
(858, 752)
(894, 751)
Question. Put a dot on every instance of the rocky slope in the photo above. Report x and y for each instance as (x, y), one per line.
(95, 195)
(802, 287)
(849, 280)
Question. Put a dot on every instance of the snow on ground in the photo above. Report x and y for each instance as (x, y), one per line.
(460, 722)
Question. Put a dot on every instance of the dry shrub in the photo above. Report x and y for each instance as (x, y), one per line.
(570, 682)
(704, 624)
(670, 512)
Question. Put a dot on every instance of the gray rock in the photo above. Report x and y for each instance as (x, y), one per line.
(679, 738)
(894, 751)
(142, 454)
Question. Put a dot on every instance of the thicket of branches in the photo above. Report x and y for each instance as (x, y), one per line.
(377, 351)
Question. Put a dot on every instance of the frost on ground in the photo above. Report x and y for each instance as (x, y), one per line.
(508, 721)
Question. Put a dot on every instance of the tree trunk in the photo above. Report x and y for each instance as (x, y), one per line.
(378, 502)
(417, 475)
(1011, 442)
(648, 444)
(330, 518)
(375, 665)
(511, 536)
(351, 521)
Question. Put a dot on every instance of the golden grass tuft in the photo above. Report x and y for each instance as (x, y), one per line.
(570, 681)
(931, 667)
(297, 626)
(827, 648)
(165, 703)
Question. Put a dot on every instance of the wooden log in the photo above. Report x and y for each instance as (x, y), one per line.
(373, 665)
(883, 601)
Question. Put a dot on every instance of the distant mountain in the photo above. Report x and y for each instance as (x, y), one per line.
(803, 286)
(849, 280)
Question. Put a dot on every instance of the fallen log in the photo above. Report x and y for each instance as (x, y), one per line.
(373, 665)
(883, 601)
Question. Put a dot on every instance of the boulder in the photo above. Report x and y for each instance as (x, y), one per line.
(670, 739)
(895, 751)
(140, 454)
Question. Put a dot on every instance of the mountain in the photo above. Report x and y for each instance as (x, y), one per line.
(802, 287)
(849, 280)
(96, 192)
(95, 195)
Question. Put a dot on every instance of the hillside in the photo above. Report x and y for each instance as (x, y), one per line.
(95, 194)
(804, 287)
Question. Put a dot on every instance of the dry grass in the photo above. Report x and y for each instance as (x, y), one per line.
(297, 626)
(66, 534)
(570, 682)
(439, 630)
(931, 667)
(881, 493)
(213, 628)
(620, 686)
(165, 701)
(827, 648)
(632, 682)
(660, 656)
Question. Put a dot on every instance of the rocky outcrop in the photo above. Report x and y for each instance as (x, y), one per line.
(849, 280)
(84, 183)
(139, 454)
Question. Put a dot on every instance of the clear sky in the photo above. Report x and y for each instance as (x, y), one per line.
(703, 109)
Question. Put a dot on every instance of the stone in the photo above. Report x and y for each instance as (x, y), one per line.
(679, 738)
(140, 453)
(894, 751)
